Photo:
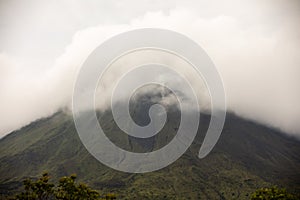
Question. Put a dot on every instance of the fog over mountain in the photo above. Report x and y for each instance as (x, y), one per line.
(254, 45)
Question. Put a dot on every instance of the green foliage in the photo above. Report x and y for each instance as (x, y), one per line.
(110, 197)
(40, 189)
(66, 189)
(273, 193)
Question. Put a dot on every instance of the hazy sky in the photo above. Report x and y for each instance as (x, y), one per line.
(254, 44)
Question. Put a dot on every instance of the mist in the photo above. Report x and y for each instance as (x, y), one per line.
(254, 45)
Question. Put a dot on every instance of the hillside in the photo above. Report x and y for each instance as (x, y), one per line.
(247, 156)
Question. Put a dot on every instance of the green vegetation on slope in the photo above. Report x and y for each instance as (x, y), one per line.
(248, 156)
(66, 189)
(273, 193)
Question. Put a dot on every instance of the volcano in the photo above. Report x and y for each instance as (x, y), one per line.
(247, 156)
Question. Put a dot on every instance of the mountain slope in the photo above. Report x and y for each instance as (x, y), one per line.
(247, 156)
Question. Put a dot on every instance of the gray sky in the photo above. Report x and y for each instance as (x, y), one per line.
(254, 44)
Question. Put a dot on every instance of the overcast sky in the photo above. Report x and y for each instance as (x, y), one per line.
(254, 44)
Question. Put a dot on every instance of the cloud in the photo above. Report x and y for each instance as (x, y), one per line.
(258, 61)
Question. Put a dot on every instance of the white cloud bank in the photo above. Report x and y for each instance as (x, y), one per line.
(259, 64)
